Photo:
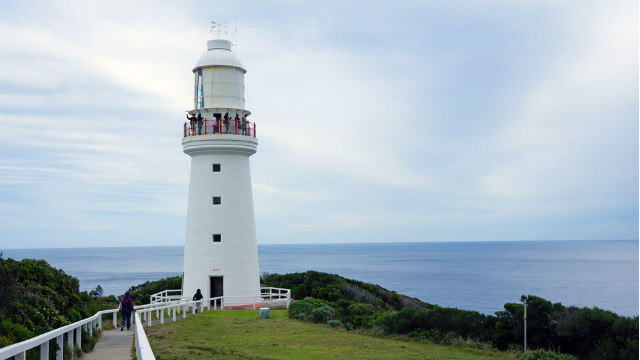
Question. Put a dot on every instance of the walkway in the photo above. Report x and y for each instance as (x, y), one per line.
(114, 344)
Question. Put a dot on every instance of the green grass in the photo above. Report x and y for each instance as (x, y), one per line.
(243, 335)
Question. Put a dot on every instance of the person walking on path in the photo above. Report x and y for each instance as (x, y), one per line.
(197, 297)
(126, 308)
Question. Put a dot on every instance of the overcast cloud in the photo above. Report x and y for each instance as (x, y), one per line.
(377, 121)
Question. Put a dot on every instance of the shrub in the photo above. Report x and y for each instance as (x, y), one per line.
(361, 309)
(302, 309)
(4, 341)
(335, 323)
(544, 355)
(66, 351)
(140, 293)
(14, 332)
(322, 314)
(88, 341)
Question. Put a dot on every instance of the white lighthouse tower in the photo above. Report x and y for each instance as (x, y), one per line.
(220, 253)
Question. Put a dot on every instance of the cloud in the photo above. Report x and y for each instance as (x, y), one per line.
(424, 121)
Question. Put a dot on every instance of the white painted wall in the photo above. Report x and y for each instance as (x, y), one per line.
(236, 256)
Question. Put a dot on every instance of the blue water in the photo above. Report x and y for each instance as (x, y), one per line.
(479, 276)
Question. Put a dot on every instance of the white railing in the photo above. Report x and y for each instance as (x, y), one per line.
(166, 295)
(165, 301)
(271, 293)
(73, 332)
(267, 293)
(143, 349)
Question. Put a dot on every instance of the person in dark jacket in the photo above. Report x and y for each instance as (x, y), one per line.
(199, 118)
(196, 297)
(126, 308)
(226, 122)
(192, 121)
(216, 123)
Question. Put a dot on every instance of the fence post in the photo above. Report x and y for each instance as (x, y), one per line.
(44, 350)
(162, 317)
(59, 351)
(70, 341)
(184, 311)
(115, 319)
(174, 313)
(79, 336)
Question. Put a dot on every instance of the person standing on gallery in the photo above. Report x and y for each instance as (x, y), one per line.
(192, 121)
(226, 122)
(199, 118)
(244, 124)
(126, 308)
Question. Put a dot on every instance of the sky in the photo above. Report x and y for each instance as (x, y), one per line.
(404, 121)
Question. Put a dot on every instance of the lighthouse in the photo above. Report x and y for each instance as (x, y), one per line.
(220, 252)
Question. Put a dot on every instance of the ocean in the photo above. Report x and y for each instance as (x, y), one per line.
(480, 276)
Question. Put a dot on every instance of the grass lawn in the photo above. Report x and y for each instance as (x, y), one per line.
(244, 335)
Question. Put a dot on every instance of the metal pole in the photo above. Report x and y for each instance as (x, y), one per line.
(525, 326)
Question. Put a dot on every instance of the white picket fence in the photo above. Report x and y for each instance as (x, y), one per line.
(168, 301)
(74, 336)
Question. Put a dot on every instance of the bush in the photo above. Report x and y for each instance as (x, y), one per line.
(88, 341)
(140, 293)
(4, 341)
(361, 309)
(544, 355)
(14, 332)
(302, 309)
(322, 314)
(335, 323)
(436, 337)
(66, 351)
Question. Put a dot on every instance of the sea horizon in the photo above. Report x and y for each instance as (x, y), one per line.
(325, 243)
(472, 275)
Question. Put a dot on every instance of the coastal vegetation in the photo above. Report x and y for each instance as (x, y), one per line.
(334, 317)
(141, 293)
(587, 333)
(36, 298)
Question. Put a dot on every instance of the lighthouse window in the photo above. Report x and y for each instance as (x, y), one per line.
(216, 167)
(199, 95)
(217, 237)
(217, 200)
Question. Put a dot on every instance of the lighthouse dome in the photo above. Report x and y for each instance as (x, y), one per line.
(219, 54)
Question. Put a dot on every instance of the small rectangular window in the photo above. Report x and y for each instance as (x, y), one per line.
(217, 200)
(216, 167)
(217, 237)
